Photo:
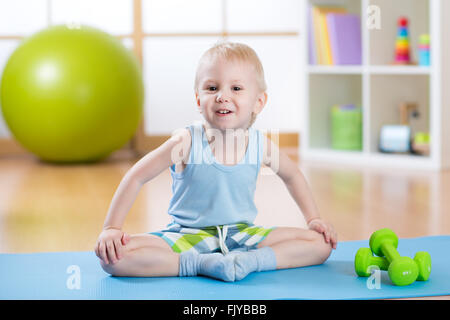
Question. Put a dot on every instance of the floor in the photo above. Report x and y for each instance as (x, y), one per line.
(45, 207)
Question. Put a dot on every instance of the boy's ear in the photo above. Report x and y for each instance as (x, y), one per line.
(197, 99)
(261, 102)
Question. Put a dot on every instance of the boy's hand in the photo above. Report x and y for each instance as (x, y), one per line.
(326, 228)
(109, 246)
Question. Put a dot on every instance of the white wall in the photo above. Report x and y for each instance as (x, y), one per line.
(169, 62)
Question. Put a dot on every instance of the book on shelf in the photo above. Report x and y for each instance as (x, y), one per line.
(345, 38)
(334, 36)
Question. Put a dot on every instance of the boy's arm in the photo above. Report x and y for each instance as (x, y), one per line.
(292, 177)
(296, 183)
(174, 150)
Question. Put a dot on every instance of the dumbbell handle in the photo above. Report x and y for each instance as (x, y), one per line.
(389, 251)
(381, 262)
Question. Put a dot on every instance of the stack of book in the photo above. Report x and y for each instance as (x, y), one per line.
(334, 36)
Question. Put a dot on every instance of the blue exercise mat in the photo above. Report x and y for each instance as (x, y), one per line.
(78, 275)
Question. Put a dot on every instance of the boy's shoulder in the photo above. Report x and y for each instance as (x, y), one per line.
(181, 133)
(182, 138)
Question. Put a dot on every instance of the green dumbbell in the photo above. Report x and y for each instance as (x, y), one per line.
(402, 270)
(423, 260)
(364, 259)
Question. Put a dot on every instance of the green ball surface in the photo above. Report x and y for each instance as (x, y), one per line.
(72, 95)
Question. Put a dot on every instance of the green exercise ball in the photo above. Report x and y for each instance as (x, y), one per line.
(72, 95)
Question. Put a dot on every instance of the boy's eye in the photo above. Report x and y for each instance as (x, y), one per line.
(236, 88)
(212, 88)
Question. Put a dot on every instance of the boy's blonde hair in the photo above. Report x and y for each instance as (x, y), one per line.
(235, 51)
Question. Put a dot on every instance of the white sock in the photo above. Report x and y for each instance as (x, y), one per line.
(245, 262)
(214, 265)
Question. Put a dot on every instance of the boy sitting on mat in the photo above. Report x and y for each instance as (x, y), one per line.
(214, 179)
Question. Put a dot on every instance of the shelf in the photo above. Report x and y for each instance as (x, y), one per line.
(380, 87)
(374, 159)
(387, 92)
(320, 69)
(400, 70)
(382, 41)
(340, 89)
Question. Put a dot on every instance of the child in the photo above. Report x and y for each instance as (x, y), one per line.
(212, 232)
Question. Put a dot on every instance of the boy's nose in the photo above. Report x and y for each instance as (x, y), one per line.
(221, 97)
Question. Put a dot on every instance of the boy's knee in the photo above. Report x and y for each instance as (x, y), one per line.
(324, 248)
(114, 269)
(108, 267)
(327, 249)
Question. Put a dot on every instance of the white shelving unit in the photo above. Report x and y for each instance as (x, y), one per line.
(379, 87)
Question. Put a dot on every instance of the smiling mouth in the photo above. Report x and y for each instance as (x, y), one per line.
(223, 112)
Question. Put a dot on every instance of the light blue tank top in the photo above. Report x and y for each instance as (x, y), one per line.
(208, 193)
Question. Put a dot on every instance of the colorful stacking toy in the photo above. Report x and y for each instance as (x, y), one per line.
(402, 49)
(424, 50)
(402, 270)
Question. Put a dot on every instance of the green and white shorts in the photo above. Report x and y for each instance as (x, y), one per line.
(226, 238)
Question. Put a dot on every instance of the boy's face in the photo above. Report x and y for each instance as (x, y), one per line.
(231, 87)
